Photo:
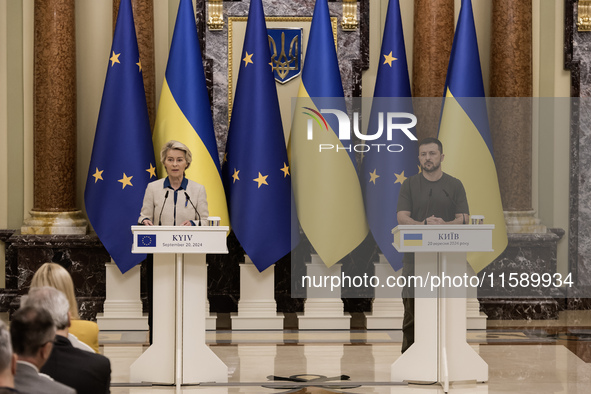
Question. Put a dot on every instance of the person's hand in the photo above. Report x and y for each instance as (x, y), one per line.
(147, 222)
(187, 223)
(434, 220)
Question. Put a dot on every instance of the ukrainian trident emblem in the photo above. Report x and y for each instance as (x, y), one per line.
(286, 62)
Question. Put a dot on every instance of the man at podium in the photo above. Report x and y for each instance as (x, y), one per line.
(174, 200)
(429, 197)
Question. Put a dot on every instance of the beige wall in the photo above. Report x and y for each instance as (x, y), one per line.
(16, 105)
(3, 129)
(94, 34)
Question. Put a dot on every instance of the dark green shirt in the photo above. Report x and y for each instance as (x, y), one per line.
(443, 198)
(423, 198)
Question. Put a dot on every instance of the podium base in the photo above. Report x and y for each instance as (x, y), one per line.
(122, 323)
(382, 322)
(324, 322)
(477, 322)
(257, 322)
(211, 321)
(179, 353)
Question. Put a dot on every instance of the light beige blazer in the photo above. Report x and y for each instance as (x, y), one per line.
(155, 203)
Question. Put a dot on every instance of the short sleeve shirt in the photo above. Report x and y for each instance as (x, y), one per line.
(443, 198)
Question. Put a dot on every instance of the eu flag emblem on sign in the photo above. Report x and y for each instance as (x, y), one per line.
(286, 53)
(146, 240)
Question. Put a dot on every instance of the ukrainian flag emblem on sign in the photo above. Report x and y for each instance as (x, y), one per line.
(413, 239)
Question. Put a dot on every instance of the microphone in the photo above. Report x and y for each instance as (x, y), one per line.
(195, 208)
(162, 209)
(428, 205)
(454, 206)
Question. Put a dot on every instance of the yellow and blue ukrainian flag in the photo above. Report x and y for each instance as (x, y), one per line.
(256, 171)
(383, 170)
(325, 183)
(122, 161)
(184, 111)
(465, 134)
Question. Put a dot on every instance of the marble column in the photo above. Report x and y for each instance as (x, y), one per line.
(511, 83)
(433, 36)
(577, 59)
(143, 18)
(54, 202)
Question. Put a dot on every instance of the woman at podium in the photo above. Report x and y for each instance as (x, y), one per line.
(174, 200)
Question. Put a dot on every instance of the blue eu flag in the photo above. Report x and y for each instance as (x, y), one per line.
(384, 171)
(256, 174)
(122, 161)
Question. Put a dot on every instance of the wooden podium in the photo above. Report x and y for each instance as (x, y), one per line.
(440, 352)
(178, 354)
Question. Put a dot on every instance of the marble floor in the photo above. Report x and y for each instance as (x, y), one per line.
(523, 357)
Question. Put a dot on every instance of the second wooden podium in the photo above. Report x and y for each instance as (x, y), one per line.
(178, 354)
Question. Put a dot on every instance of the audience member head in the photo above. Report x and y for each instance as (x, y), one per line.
(7, 358)
(32, 332)
(53, 301)
(54, 275)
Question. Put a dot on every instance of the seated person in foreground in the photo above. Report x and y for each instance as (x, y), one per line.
(32, 332)
(87, 372)
(83, 334)
(7, 361)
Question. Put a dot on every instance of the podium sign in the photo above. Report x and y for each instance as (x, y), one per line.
(179, 239)
(443, 238)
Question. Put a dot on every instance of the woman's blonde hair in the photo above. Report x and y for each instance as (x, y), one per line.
(172, 144)
(54, 275)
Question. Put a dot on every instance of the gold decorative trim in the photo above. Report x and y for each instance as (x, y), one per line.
(215, 8)
(584, 12)
(232, 19)
(349, 21)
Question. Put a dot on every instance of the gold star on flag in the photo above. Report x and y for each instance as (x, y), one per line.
(420, 169)
(98, 175)
(235, 175)
(285, 170)
(373, 176)
(389, 59)
(399, 177)
(247, 59)
(152, 171)
(126, 180)
(262, 180)
(114, 59)
(139, 64)
(225, 157)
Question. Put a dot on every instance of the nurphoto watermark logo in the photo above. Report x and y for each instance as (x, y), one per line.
(395, 122)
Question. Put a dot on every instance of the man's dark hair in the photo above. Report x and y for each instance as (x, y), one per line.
(431, 140)
(30, 329)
